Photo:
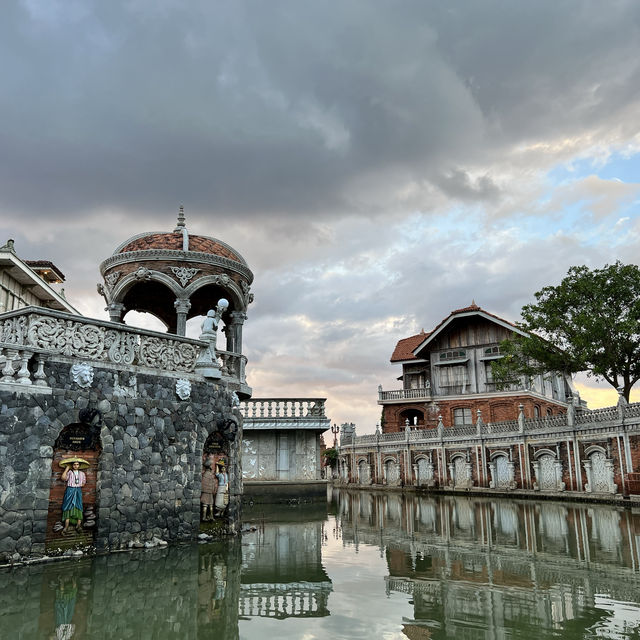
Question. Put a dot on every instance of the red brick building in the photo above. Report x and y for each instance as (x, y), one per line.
(447, 372)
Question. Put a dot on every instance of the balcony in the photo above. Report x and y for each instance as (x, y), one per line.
(400, 395)
(35, 332)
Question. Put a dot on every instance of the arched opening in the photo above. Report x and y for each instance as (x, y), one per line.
(155, 298)
(206, 298)
(144, 320)
(392, 472)
(77, 440)
(414, 416)
(215, 451)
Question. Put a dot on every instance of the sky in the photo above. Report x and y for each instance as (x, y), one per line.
(378, 164)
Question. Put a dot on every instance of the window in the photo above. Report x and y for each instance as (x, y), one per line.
(492, 351)
(462, 416)
(453, 355)
(488, 372)
(454, 376)
(536, 411)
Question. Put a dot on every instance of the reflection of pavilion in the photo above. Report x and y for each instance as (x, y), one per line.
(282, 572)
(482, 569)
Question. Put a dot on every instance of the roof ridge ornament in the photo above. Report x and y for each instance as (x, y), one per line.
(181, 220)
(181, 227)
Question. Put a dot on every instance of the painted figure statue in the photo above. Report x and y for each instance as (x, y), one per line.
(222, 492)
(208, 489)
(72, 510)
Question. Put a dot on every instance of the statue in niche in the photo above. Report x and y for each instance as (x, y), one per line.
(208, 489)
(72, 509)
(222, 492)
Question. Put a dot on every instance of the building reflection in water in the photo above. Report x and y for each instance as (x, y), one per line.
(481, 568)
(282, 571)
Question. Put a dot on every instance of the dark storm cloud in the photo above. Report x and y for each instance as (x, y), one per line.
(290, 107)
(377, 163)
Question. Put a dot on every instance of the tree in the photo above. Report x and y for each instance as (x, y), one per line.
(331, 457)
(589, 322)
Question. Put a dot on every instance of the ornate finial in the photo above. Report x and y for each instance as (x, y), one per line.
(181, 221)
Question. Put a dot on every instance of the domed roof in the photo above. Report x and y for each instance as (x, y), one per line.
(179, 240)
(174, 241)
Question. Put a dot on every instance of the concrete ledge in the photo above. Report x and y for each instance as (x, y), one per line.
(281, 491)
(565, 496)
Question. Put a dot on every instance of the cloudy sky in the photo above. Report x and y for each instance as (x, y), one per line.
(377, 163)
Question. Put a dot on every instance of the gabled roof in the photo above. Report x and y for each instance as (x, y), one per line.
(409, 348)
(472, 310)
(404, 348)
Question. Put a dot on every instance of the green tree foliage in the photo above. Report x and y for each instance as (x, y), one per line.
(331, 457)
(589, 322)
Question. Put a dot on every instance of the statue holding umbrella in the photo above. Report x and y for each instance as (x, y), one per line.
(72, 510)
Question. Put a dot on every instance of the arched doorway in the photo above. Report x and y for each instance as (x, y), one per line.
(82, 440)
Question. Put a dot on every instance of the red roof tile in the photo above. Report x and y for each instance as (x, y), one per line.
(173, 241)
(404, 348)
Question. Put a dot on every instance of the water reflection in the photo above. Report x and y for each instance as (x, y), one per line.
(377, 565)
(282, 572)
(479, 568)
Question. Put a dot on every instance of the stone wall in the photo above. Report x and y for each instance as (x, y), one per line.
(150, 466)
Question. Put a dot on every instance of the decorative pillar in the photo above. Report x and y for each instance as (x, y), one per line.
(182, 308)
(536, 470)
(116, 311)
(234, 331)
(588, 487)
(493, 483)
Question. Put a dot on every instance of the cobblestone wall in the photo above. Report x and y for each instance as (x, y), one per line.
(150, 467)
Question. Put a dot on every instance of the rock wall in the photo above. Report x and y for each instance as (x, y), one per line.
(150, 465)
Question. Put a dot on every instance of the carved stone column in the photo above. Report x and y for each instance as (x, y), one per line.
(182, 309)
(536, 470)
(116, 311)
(493, 483)
(588, 487)
(234, 331)
(558, 469)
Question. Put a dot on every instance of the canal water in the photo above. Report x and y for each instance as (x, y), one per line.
(366, 565)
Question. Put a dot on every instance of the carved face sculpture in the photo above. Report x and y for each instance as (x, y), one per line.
(183, 388)
(82, 374)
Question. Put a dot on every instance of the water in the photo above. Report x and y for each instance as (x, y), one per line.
(369, 565)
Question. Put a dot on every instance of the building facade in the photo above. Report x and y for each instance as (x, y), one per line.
(282, 449)
(585, 452)
(447, 377)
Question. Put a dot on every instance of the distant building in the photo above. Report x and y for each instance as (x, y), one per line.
(25, 283)
(447, 372)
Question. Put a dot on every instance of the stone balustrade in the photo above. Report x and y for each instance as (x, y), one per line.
(34, 331)
(583, 420)
(284, 413)
(23, 366)
(283, 408)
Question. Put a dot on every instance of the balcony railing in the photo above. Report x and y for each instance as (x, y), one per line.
(34, 330)
(421, 393)
(284, 413)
